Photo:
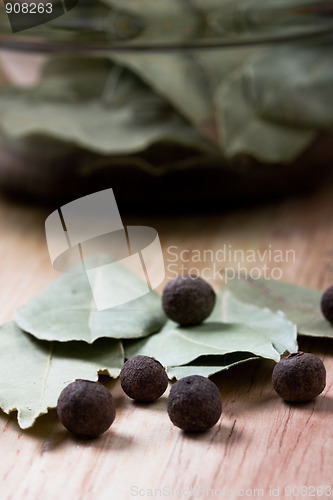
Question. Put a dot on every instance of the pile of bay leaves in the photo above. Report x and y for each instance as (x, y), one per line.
(59, 336)
(268, 101)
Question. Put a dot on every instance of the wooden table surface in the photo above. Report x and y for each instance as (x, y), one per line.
(261, 445)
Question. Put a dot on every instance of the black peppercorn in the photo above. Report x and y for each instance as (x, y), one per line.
(194, 404)
(188, 299)
(299, 377)
(86, 408)
(143, 378)
(327, 304)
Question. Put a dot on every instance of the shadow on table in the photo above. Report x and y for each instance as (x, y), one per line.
(222, 433)
(53, 436)
(324, 404)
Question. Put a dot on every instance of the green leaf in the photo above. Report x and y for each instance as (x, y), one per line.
(65, 310)
(180, 79)
(164, 21)
(95, 104)
(209, 365)
(301, 305)
(293, 85)
(34, 372)
(188, 80)
(273, 325)
(244, 329)
(243, 130)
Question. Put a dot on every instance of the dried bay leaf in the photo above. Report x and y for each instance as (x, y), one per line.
(243, 130)
(273, 106)
(294, 86)
(163, 22)
(34, 372)
(180, 79)
(272, 324)
(90, 21)
(174, 345)
(301, 305)
(189, 80)
(95, 104)
(186, 78)
(65, 310)
(233, 327)
(270, 102)
(209, 365)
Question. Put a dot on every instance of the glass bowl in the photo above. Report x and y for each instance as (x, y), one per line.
(173, 104)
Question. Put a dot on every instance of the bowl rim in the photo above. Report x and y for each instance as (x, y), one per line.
(28, 43)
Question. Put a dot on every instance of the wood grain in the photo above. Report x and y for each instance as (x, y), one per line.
(259, 443)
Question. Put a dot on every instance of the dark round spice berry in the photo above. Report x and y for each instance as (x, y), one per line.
(194, 404)
(188, 299)
(143, 378)
(327, 304)
(86, 408)
(299, 377)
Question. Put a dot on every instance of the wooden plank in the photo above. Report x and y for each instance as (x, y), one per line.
(259, 443)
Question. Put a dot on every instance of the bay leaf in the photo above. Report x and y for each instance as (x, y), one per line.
(88, 21)
(243, 130)
(180, 79)
(163, 22)
(206, 367)
(232, 327)
(34, 372)
(260, 20)
(95, 104)
(189, 80)
(65, 309)
(267, 102)
(293, 85)
(270, 323)
(301, 305)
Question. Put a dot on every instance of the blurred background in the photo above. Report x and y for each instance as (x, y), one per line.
(176, 105)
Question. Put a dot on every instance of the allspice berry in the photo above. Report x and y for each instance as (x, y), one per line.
(299, 377)
(143, 378)
(188, 299)
(327, 304)
(194, 404)
(86, 408)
